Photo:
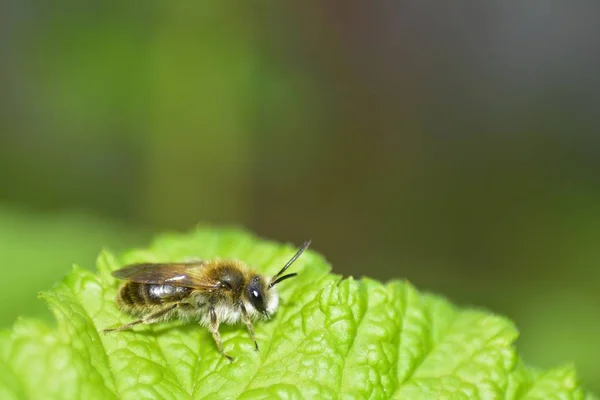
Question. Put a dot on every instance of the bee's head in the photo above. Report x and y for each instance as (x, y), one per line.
(263, 300)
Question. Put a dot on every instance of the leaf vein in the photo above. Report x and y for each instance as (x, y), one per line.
(361, 287)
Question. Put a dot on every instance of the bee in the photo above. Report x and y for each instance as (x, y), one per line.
(211, 292)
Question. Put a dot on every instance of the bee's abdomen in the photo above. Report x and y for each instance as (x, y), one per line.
(134, 294)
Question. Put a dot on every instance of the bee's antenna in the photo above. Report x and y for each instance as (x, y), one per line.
(278, 278)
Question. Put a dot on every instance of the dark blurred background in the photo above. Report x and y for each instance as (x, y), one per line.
(455, 146)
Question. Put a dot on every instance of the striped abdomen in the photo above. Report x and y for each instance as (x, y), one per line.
(135, 296)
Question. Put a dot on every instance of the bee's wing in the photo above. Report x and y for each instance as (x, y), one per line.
(189, 274)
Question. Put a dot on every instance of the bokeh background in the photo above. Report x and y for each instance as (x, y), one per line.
(455, 146)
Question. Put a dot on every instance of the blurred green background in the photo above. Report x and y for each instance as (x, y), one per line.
(455, 147)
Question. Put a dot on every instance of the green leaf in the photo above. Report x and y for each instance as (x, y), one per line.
(331, 338)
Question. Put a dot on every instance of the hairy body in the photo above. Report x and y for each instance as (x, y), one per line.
(143, 299)
(210, 292)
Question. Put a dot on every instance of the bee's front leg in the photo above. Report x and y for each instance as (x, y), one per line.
(248, 322)
(214, 329)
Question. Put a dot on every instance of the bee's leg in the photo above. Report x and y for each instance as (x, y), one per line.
(150, 319)
(214, 329)
(248, 322)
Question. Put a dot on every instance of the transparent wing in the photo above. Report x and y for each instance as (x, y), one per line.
(190, 274)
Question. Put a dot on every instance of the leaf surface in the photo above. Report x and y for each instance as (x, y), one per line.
(331, 338)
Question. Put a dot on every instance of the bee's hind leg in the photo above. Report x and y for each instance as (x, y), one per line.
(150, 319)
(214, 329)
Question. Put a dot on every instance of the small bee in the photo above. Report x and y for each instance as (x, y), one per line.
(211, 291)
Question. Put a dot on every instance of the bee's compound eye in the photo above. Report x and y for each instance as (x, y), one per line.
(255, 296)
(257, 300)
